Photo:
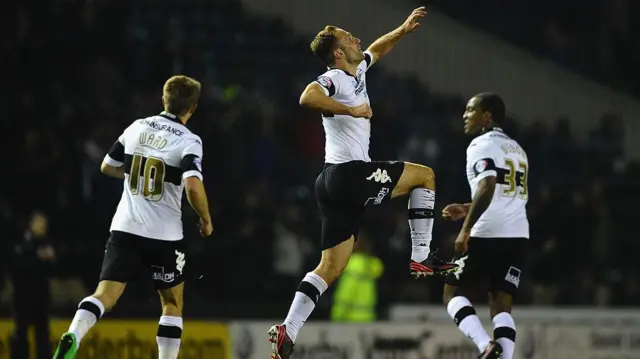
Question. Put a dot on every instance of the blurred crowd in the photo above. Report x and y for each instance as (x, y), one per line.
(595, 37)
(80, 71)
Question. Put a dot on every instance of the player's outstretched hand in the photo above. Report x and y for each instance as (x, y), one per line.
(362, 111)
(205, 227)
(454, 212)
(413, 21)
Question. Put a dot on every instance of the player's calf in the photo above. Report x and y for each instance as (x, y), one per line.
(90, 310)
(419, 182)
(334, 260)
(504, 327)
(169, 336)
(332, 263)
(465, 317)
(108, 293)
(170, 325)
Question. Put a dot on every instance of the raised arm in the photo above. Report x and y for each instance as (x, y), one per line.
(385, 43)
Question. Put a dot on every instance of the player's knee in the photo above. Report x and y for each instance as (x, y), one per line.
(172, 303)
(426, 172)
(414, 176)
(422, 176)
(499, 302)
(428, 177)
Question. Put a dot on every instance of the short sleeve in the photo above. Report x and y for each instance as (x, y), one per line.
(193, 146)
(191, 162)
(115, 156)
(368, 59)
(482, 158)
(330, 84)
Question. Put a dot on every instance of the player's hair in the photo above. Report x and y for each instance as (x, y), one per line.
(179, 94)
(324, 44)
(491, 102)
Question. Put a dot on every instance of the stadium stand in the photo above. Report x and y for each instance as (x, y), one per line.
(78, 75)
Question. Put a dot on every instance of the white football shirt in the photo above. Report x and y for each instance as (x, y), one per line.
(496, 154)
(346, 137)
(157, 153)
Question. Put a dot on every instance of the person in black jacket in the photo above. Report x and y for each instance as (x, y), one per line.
(32, 259)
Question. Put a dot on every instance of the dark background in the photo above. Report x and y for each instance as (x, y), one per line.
(78, 72)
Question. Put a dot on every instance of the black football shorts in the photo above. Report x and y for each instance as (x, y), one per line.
(497, 260)
(128, 257)
(344, 190)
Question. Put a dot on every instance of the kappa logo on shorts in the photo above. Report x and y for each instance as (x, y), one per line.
(513, 276)
(180, 261)
(461, 263)
(380, 176)
(159, 274)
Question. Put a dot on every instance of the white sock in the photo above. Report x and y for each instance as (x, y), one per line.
(309, 291)
(504, 332)
(421, 203)
(89, 311)
(463, 314)
(168, 337)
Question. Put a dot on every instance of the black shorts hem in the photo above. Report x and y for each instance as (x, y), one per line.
(498, 261)
(163, 286)
(328, 243)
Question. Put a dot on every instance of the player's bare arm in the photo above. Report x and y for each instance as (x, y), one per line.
(455, 211)
(315, 98)
(111, 171)
(480, 202)
(197, 197)
(384, 44)
(479, 205)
